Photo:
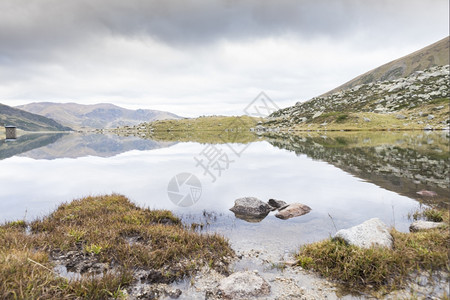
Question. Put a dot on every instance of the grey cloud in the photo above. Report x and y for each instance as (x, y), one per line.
(37, 28)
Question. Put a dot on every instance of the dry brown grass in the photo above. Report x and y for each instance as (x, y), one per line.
(99, 228)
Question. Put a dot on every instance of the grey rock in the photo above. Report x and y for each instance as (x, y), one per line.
(428, 127)
(371, 233)
(250, 206)
(276, 203)
(425, 225)
(292, 210)
(243, 285)
(317, 114)
(400, 117)
(430, 117)
(438, 107)
(367, 120)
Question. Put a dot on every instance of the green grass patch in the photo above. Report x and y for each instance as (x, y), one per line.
(378, 269)
(100, 228)
(430, 214)
(342, 118)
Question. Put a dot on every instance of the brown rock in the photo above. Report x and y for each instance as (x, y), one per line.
(292, 210)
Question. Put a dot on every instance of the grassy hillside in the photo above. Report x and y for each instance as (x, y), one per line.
(28, 121)
(212, 129)
(436, 54)
(95, 116)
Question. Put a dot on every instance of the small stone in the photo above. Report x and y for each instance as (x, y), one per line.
(243, 285)
(425, 225)
(292, 210)
(426, 193)
(430, 117)
(276, 203)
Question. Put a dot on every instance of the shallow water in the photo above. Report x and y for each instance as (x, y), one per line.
(346, 178)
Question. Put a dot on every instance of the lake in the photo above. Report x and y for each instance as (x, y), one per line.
(346, 178)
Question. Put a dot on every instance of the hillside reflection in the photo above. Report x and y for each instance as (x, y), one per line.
(403, 162)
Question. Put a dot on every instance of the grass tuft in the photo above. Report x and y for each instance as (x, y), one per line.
(99, 229)
(378, 269)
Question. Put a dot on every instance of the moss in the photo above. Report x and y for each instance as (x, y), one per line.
(100, 226)
(378, 269)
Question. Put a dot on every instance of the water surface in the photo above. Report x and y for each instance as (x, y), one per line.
(346, 178)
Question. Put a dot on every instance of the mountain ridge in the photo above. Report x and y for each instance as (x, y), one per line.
(436, 54)
(95, 116)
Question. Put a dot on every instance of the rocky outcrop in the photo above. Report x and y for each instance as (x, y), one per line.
(425, 225)
(292, 210)
(250, 207)
(371, 233)
(383, 97)
(243, 285)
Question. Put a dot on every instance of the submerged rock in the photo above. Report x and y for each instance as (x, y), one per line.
(425, 225)
(276, 203)
(243, 285)
(292, 210)
(250, 207)
(250, 218)
(426, 193)
(371, 233)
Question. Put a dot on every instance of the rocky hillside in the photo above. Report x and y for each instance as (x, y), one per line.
(419, 101)
(436, 54)
(95, 116)
(28, 121)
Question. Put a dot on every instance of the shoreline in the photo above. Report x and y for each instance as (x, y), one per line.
(285, 277)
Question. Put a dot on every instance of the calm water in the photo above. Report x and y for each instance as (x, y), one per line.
(349, 176)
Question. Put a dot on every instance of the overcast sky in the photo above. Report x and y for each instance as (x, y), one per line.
(195, 57)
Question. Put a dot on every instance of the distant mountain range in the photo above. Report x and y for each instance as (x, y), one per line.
(436, 54)
(28, 121)
(96, 116)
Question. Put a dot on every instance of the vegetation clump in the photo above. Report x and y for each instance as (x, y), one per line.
(379, 269)
(107, 231)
